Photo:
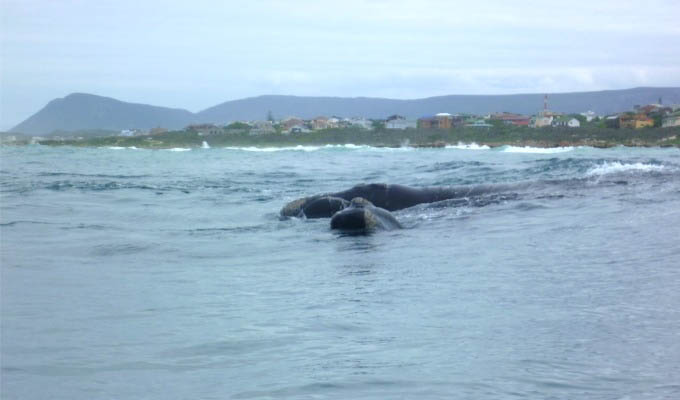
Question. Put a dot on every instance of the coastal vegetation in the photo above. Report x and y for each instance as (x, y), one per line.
(492, 136)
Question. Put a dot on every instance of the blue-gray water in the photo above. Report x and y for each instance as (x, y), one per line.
(168, 275)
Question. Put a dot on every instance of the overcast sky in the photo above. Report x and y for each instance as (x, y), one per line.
(196, 54)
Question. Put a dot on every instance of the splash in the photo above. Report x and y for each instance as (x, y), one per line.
(205, 145)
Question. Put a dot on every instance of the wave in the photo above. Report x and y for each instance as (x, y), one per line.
(205, 145)
(121, 148)
(536, 150)
(179, 149)
(348, 146)
(468, 146)
(617, 166)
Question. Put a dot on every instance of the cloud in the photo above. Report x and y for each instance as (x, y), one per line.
(196, 54)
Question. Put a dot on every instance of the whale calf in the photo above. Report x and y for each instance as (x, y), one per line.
(362, 216)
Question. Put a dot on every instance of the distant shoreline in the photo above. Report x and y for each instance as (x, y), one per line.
(418, 138)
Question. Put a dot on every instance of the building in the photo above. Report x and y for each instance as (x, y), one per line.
(635, 121)
(262, 128)
(480, 123)
(612, 121)
(320, 123)
(290, 122)
(399, 122)
(438, 121)
(545, 117)
(511, 119)
(566, 122)
(361, 123)
(671, 120)
(204, 129)
(590, 115)
(297, 129)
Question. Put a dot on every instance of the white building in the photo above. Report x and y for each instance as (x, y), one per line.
(590, 115)
(399, 122)
(361, 123)
(671, 120)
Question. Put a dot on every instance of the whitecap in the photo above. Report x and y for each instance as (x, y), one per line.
(179, 149)
(617, 166)
(270, 149)
(468, 146)
(536, 150)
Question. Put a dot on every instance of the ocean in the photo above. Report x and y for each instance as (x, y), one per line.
(168, 274)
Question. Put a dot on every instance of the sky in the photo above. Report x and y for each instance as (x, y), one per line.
(196, 54)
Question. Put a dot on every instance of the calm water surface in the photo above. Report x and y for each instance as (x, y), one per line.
(168, 275)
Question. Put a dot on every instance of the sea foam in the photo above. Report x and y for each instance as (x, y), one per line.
(348, 146)
(536, 150)
(616, 166)
(468, 146)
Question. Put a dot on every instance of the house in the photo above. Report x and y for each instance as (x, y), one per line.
(298, 129)
(480, 123)
(262, 128)
(333, 122)
(399, 122)
(361, 123)
(671, 120)
(590, 115)
(566, 122)
(204, 129)
(511, 119)
(541, 121)
(438, 121)
(635, 121)
(320, 123)
(612, 121)
(290, 122)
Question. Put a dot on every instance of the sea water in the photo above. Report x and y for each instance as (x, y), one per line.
(168, 274)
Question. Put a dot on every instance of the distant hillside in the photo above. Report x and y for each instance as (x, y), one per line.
(602, 102)
(78, 112)
(81, 112)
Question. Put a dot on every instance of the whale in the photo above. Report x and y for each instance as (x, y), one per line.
(362, 216)
(322, 207)
(391, 197)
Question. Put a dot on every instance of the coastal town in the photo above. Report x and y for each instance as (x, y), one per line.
(649, 124)
(645, 116)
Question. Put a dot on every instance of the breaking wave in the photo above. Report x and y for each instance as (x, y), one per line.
(536, 150)
(468, 146)
(348, 146)
(616, 166)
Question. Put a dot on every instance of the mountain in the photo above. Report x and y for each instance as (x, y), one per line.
(602, 102)
(81, 111)
(78, 111)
